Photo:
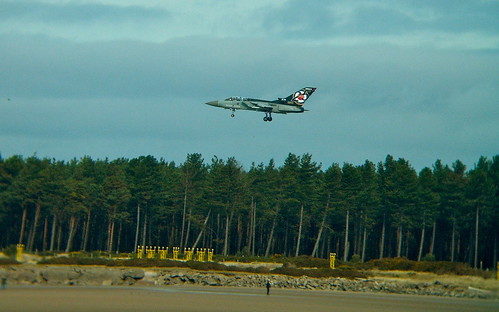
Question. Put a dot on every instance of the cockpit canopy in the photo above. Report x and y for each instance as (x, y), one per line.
(235, 98)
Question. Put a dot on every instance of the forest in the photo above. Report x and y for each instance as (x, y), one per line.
(361, 212)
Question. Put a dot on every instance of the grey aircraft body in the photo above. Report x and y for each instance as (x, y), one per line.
(291, 104)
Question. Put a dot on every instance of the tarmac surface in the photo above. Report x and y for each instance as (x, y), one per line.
(124, 299)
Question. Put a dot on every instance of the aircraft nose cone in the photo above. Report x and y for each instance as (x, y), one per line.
(212, 103)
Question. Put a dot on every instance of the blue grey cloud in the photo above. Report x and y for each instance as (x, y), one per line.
(318, 19)
(119, 97)
(74, 12)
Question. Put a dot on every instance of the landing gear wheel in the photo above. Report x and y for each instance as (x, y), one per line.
(269, 119)
(232, 115)
(265, 118)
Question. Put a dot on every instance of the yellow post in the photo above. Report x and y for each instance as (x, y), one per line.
(20, 250)
(332, 260)
(175, 253)
(139, 252)
(188, 254)
(200, 252)
(163, 252)
(210, 255)
(149, 252)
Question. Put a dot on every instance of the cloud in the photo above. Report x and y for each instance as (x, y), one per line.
(79, 13)
(397, 22)
(83, 21)
(392, 77)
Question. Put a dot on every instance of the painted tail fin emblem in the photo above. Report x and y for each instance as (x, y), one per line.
(301, 96)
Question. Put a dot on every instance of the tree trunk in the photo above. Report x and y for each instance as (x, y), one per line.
(137, 229)
(239, 233)
(382, 240)
(172, 233)
(226, 239)
(357, 234)
(249, 228)
(475, 265)
(183, 217)
(108, 234)
(119, 239)
(144, 228)
(252, 228)
(23, 225)
(319, 234)
(227, 230)
(421, 243)
(453, 240)
(203, 228)
(87, 229)
(45, 230)
(364, 239)
(83, 234)
(399, 241)
(111, 237)
(494, 261)
(253, 244)
(434, 230)
(286, 240)
(59, 237)
(271, 236)
(188, 231)
(52, 234)
(407, 237)
(31, 239)
(72, 230)
(217, 239)
(345, 246)
(298, 240)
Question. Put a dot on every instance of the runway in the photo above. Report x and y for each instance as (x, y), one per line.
(124, 299)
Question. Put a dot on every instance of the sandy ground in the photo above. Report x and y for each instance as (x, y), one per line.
(125, 299)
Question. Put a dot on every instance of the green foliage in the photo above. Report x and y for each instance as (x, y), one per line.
(437, 267)
(429, 257)
(10, 251)
(108, 205)
(320, 273)
(74, 261)
(401, 264)
(306, 262)
(355, 259)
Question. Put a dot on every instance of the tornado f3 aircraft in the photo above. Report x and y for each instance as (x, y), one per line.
(291, 104)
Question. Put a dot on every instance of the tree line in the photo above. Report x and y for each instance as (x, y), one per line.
(360, 212)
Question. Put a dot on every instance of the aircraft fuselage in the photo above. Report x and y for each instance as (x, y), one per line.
(291, 104)
(257, 105)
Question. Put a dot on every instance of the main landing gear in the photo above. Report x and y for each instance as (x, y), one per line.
(268, 117)
(233, 111)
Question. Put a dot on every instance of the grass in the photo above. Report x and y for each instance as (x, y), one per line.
(450, 279)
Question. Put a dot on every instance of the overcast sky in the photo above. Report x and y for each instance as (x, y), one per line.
(120, 78)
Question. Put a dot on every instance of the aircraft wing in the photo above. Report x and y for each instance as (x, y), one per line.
(260, 106)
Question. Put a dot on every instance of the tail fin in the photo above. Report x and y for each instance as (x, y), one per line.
(299, 97)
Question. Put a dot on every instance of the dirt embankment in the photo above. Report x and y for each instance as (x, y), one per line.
(108, 276)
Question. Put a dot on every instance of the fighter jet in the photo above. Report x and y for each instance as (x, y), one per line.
(291, 104)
